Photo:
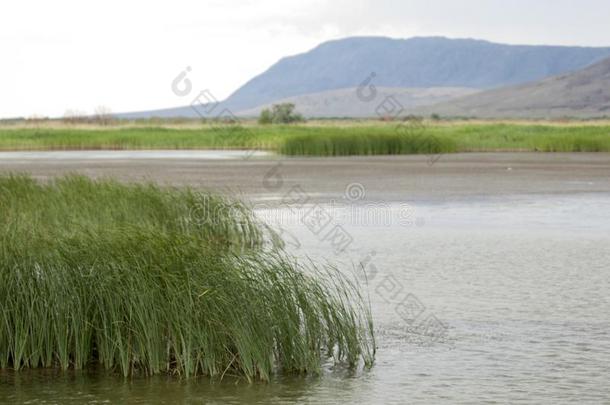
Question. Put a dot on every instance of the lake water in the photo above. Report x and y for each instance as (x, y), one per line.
(105, 155)
(491, 299)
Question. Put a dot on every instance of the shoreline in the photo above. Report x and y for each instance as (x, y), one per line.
(384, 178)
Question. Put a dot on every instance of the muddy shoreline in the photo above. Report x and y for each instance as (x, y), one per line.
(387, 178)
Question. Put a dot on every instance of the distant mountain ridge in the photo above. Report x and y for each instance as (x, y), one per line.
(420, 62)
(410, 63)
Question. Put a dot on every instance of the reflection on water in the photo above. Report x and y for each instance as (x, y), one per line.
(36, 386)
(520, 283)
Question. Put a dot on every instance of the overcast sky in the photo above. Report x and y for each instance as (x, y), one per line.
(61, 54)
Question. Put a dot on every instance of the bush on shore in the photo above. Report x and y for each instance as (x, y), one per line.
(282, 113)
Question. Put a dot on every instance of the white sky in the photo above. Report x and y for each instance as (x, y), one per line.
(63, 54)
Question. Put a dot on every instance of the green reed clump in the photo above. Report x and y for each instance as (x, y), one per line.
(353, 143)
(142, 279)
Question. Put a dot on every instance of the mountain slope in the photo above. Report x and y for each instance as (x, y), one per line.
(408, 63)
(584, 93)
(345, 102)
(400, 63)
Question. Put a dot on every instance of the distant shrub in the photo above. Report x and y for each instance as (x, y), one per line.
(413, 118)
(265, 117)
(103, 115)
(74, 116)
(282, 113)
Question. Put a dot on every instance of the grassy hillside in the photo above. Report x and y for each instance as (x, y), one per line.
(345, 102)
(332, 138)
(583, 93)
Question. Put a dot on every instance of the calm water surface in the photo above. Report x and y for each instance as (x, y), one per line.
(520, 285)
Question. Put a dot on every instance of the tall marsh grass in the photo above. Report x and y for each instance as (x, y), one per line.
(144, 280)
(361, 143)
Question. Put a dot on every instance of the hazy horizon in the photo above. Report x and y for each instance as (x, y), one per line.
(68, 55)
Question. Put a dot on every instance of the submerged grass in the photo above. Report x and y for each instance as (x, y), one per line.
(325, 139)
(142, 279)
